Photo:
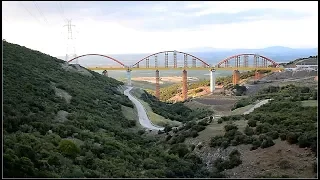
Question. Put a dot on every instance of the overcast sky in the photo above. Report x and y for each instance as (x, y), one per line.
(148, 27)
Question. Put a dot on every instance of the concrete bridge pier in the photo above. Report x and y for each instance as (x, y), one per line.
(235, 77)
(184, 85)
(212, 80)
(157, 85)
(257, 75)
(129, 77)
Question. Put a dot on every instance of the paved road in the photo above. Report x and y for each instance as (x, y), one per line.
(143, 117)
(257, 105)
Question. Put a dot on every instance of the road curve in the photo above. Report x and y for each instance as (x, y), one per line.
(257, 105)
(143, 117)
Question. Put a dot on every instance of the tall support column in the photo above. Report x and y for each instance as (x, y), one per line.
(255, 61)
(256, 75)
(235, 77)
(155, 61)
(212, 80)
(194, 62)
(147, 63)
(137, 65)
(245, 60)
(184, 85)
(157, 85)
(185, 60)
(129, 77)
(237, 61)
(166, 59)
(105, 73)
(174, 59)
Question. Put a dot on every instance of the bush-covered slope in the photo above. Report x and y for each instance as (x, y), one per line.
(95, 139)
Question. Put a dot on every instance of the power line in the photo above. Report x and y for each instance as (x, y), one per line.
(61, 11)
(39, 10)
(30, 13)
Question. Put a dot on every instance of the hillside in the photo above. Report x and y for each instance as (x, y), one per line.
(311, 60)
(63, 121)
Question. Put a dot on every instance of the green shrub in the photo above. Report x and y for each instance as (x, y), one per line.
(229, 127)
(180, 149)
(283, 136)
(263, 128)
(248, 131)
(168, 137)
(67, 147)
(234, 152)
(234, 142)
(198, 128)
(225, 144)
(217, 141)
(234, 160)
(248, 140)
(307, 139)
(240, 138)
(274, 135)
(220, 121)
(194, 134)
(292, 138)
(252, 123)
(255, 144)
(267, 143)
(167, 128)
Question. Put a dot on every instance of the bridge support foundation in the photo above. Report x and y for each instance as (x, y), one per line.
(157, 85)
(257, 75)
(184, 85)
(129, 77)
(212, 80)
(235, 77)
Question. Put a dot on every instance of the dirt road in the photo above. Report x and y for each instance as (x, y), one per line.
(143, 117)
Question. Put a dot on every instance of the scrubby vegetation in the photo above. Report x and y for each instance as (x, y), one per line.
(283, 117)
(289, 92)
(95, 140)
(177, 111)
(189, 129)
(233, 161)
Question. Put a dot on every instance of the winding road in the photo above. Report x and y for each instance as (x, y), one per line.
(143, 117)
(257, 105)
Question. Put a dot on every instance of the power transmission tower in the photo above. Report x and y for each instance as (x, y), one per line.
(71, 49)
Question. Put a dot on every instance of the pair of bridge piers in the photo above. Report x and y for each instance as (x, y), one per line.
(236, 76)
(184, 82)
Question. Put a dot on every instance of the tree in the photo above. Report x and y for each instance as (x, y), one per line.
(252, 123)
(67, 147)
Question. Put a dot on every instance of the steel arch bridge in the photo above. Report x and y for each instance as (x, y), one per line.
(242, 60)
(185, 61)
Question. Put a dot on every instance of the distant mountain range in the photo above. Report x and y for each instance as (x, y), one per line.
(272, 49)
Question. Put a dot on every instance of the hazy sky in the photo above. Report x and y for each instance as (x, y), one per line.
(147, 27)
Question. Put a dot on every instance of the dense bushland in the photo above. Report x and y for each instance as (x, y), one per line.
(95, 140)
